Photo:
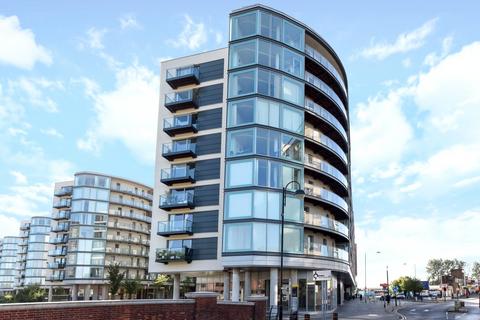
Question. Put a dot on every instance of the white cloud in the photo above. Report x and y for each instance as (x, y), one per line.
(433, 58)
(32, 91)
(27, 200)
(218, 37)
(129, 22)
(414, 240)
(467, 182)
(52, 132)
(9, 226)
(20, 178)
(127, 114)
(405, 42)
(19, 47)
(193, 35)
(95, 38)
(407, 62)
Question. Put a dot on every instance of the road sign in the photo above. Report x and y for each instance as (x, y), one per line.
(396, 289)
(319, 275)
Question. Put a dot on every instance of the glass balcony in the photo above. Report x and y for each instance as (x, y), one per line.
(330, 145)
(64, 191)
(61, 227)
(135, 216)
(169, 228)
(327, 116)
(131, 203)
(132, 191)
(179, 124)
(127, 251)
(326, 196)
(322, 86)
(317, 56)
(56, 277)
(63, 203)
(177, 174)
(56, 265)
(167, 255)
(323, 222)
(177, 77)
(127, 226)
(58, 240)
(319, 250)
(179, 149)
(25, 226)
(61, 215)
(176, 101)
(325, 167)
(177, 200)
(57, 252)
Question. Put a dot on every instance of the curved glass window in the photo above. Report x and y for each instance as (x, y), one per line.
(88, 232)
(265, 82)
(40, 221)
(260, 172)
(265, 142)
(36, 264)
(256, 236)
(39, 229)
(243, 54)
(243, 25)
(92, 181)
(89, 206)
(36, 255)
(88, 218)
(90, 193)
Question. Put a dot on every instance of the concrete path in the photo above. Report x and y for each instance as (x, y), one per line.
(359, 310)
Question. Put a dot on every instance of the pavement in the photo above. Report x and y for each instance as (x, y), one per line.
(439, 311)
(359, 310)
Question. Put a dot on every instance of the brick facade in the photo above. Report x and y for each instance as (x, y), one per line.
(201, 306)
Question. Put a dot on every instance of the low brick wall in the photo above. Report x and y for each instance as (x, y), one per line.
(200, 306)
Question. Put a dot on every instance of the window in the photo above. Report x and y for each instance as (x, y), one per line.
(240, 173)
(242, 83)
(292, 148)
(270, 26)
(293, 239)
(293, 63)
(244, 25)
(243, 54)
(293, 35)
(241, 112)
(293, 209)
(239, 204)
(240, 142)
(292, 119)
(292, 91)
(238, 237)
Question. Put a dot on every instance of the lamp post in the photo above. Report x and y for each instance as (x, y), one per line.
(299, 193)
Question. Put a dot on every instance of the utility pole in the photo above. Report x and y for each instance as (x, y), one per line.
(365, 291)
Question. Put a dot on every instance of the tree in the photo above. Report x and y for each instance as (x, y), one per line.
(436, 268)
(115, 278)
(476, 270)
(164, 281)
(407, 284)
(131, 286)
(187, 285)
(32, 293)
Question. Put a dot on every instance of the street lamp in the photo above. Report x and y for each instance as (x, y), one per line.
(299, 193)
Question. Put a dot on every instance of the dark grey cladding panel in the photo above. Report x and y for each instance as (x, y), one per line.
(207, 195)
(207, 169)
(204, 248)
(205, 221)
(209, 119)
(211, 70)
(210, 95)
(208, 144)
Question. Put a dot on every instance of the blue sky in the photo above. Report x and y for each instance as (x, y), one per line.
(79, 91)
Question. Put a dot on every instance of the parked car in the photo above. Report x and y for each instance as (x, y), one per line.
(400, 296)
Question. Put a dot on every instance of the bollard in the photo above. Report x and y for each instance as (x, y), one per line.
(334, 316)
(306, 316)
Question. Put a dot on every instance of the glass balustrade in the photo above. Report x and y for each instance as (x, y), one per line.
(317, 56)
(323, 113)
(316, 249)
(175, 226)
(325, 222)
(326, 195)
(326, 141)
(317, 163)
(316, 82)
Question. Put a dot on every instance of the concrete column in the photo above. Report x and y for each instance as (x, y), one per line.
(294, 277)
(226, 285)
(95, 292)
(104, 292)
(86, 293)
(247, 290)
(176, 286)
(273, 286)
(74, 292)
(235, 285)
(50, 294)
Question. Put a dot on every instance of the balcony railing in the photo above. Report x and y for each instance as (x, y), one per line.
(64, 191)
(168, 228)
(62, 203)
(57, 252)
(319, 84)
(326, 223)
(179, 149)
(314, 162)
(183, 199)
(127, 251)
(134, 192)
(129, 215)
(111, 237)
(317, 56)
(321, 250)
(127, 226)
(177, 77)
(177, 174)
(25, 226)
(56, 277)
(179, 124)
(323, 113)
(326, 195)
(131, 203)
(126, 264)
(58, 240)
(327, 142)
(56, 265)
(176, 101)
(61, 215)
(167, 255)
(61, 227)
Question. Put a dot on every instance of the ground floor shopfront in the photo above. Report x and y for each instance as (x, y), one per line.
(93, 291)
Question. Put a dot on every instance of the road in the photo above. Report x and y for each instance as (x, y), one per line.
(437, 311)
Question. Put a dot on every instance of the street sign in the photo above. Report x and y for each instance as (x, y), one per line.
(319, 275)
(396, 289)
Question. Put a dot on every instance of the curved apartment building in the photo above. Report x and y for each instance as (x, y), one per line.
(98, 220)
(8, 261)
(236, 125)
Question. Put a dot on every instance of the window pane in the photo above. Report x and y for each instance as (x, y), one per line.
(292, 63)
(238, 237)
(240, 142)
(239, 204)
(292, 148)
(241, 112)
(292, 119)
(274, 144)
(275, 174)
(293, 35)
(293, 209)
(274, 205)
(292, 91)
(273, 237)
(275, 56)
(263, 82)
(293, 239)
(244, 25)
(274, 114)
(262, 174)
(243, 54)
(262, 141)
(242, 83)
(263, 52)
(262, 111)
(259, 236)
(260, 205)
(240, 173)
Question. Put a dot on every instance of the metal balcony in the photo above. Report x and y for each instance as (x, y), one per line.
(57, 252)
(61, 215)
(177, 174)
(56, 265)
(183, 76)
(182, 100)
(58, 240)
(177, 201)
(179, 124)
(167, 255)
(62, 227)
(170, 228)
(64, 191)
(63, 203)
(179, 149)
